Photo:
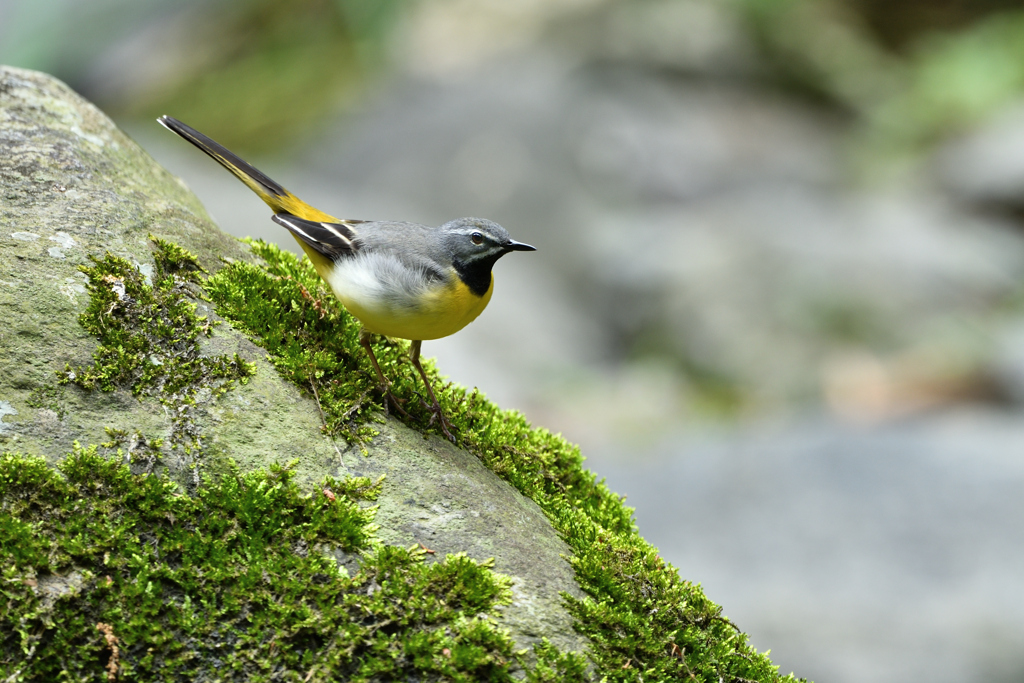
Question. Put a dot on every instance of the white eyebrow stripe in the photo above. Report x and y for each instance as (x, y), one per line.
(497, 248)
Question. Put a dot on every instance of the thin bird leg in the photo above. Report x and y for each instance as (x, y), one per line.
(436, 408)
(385, 386)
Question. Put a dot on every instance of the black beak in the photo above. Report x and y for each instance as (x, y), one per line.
(512, 245)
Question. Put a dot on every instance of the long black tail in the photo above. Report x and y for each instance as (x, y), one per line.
(246, 172)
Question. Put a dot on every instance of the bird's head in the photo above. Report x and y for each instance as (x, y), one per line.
(477, 243)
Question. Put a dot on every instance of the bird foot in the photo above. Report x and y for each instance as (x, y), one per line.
(437, 415)
(395, 402)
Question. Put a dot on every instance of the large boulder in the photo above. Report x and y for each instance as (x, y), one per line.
(74, 186)
(198, 480)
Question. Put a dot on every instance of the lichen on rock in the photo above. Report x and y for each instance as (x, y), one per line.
(149, 336)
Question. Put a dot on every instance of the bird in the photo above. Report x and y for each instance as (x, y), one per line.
(398, 279)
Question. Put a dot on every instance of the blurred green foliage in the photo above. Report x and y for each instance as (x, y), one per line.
(255, 74)
(269, 68)
(956, 79)
(898, 23)
(910, 72)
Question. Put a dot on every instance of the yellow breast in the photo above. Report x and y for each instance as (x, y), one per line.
(440, 312)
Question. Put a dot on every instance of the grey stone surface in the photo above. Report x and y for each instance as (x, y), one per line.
(444, 498)
(886, 553)
(985, 165)
(73, 185)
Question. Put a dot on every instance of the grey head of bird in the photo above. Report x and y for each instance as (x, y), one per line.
(475, 244)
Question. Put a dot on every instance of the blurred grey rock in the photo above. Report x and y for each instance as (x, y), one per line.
(886, 554)
(986, 166)
(1008, 358)
(686, 36)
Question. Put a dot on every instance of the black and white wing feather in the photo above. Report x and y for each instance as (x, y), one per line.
(333, 240)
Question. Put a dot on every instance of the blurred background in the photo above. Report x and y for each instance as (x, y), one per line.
(779, 293)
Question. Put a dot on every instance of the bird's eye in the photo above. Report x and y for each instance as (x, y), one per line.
(477, 238)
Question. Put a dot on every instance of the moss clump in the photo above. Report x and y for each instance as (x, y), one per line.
(645, 623)
(312, 340)
(135, 448)
(235, 583)
(149, 339)
(49, 397)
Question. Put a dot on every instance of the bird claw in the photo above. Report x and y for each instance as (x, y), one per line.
(437, 415)
(443, 423)
(395, 402)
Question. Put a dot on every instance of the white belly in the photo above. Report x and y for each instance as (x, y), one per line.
(392, 299)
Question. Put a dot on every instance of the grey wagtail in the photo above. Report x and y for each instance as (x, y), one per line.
(398, 279)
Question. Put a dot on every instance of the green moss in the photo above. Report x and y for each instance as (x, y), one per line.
(308, 335)
(50, 397)
(643, 620)
(149, 339)
(135, 448)
(554, 666)
(240, 582)
(222, 580)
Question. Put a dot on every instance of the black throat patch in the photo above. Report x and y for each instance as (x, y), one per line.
(477, 274)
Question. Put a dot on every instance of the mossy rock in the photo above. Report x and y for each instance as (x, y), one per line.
(200, 481)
